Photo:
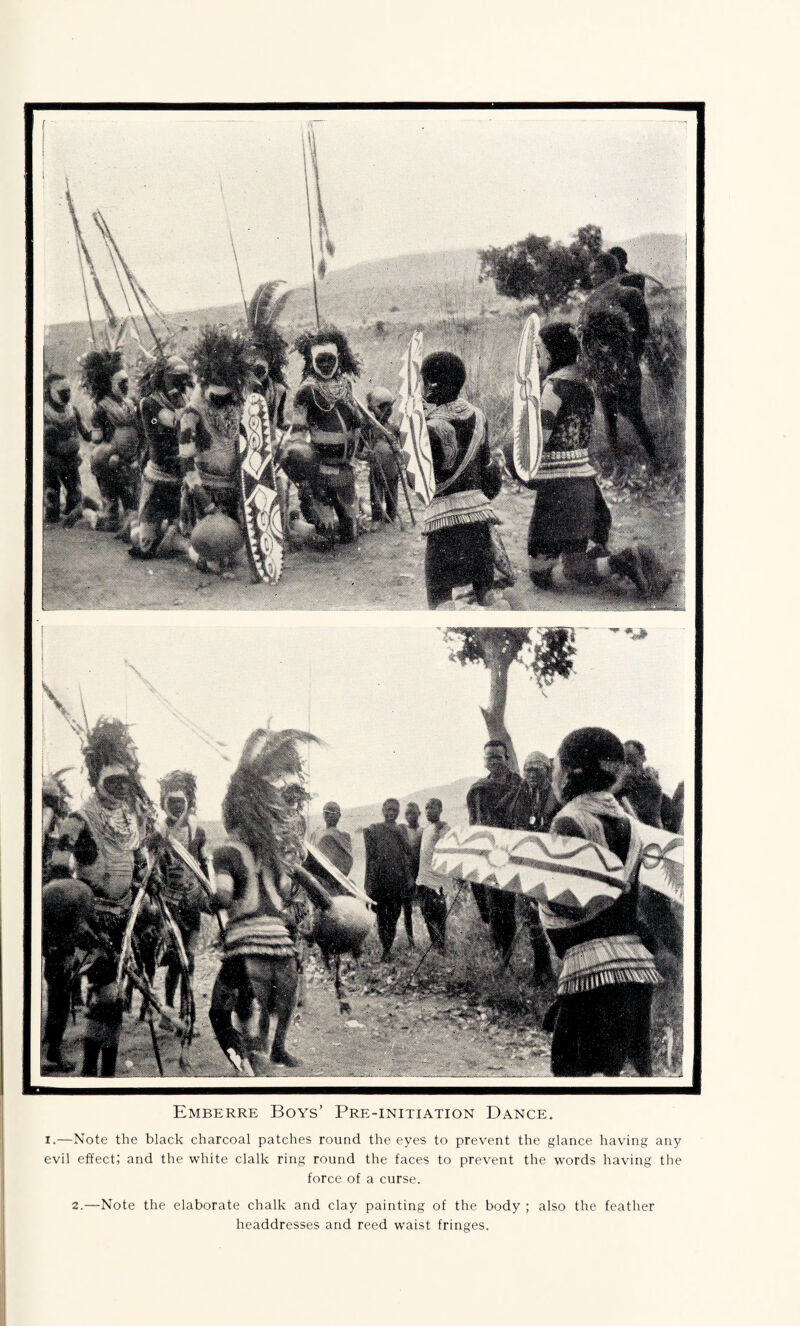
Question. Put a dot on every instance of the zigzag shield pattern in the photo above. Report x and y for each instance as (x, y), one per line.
(528, 440)
(569, 873)
(260, 503)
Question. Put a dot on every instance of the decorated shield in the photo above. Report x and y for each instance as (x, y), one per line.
(528, 441)
(576, 876)
(260, 501)
(416, 445)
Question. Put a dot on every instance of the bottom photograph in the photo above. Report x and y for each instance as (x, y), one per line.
(365, 854)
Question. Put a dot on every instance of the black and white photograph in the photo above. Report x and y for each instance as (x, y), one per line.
(363, 853)
(375, 359)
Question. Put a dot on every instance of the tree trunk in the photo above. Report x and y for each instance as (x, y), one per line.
(498, 660)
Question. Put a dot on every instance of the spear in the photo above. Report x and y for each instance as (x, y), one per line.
(233, 246)
(80, 261)
(111, 316)
(310, 233)
(103, 227)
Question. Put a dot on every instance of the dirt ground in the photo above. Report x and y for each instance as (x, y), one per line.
(84, 569)
(389, 1033)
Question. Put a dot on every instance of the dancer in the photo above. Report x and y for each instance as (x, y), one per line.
(209, 434)
(63, 429)
(115, 435)
(569, 511)
(270, 351)
(601, 1018)
(318, 452)
(103, 839)
(182, 891)
(163, 388)
(457, 521)
(256, 874)
(384, 474)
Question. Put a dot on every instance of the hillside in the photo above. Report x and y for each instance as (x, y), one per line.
(452, 795)
(413, 288)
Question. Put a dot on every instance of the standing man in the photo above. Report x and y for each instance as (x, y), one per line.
(635, 280)
(430, 883)
(502, 800)
(537, 771)
(388, 879)
(413, 833)
(334, 842)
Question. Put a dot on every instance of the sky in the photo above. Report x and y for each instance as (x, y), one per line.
(392, 183)
(397, 715)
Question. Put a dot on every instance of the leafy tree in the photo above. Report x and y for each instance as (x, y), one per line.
(544, 652)
(540, 268)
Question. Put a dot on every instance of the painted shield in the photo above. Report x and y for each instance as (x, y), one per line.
(416, 444)
(528, 441)
(575, 875)
(260, 503)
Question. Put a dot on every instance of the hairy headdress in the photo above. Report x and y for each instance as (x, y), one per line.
(264, 800)
(156, 371)
(349, 362)
(221, 357)
(97, 369)
(263, 312)
(607, 354)
(179, 780)
(109, 743)
(55, 792)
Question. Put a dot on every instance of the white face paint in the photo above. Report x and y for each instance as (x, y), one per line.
(119, 384)
(113, 786)
(325, 359)
(218, 396)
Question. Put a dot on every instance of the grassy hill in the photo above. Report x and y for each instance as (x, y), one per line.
(418, 288)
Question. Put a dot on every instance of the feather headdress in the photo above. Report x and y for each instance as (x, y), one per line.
(264, 800)
(180, 780)
(263, 312)
(221, 358)
(349, 362)
(109, 743)
(97, 369)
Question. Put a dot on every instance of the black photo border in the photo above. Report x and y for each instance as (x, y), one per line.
(286, 1087)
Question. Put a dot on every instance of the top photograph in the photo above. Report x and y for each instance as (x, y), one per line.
(365, 358)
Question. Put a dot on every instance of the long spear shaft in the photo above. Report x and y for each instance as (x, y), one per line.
(87, 257)
(233, 246)
(80, 263)
(102, 225)
(310, 232)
